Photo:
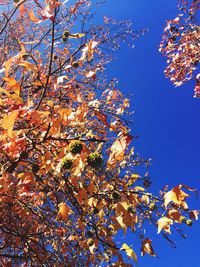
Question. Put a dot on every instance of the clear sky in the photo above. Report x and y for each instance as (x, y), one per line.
(167, 119)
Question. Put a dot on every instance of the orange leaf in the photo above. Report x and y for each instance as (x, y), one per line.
(27, 65)
(64, 211)
(33, 18)
(118, 149)
(102, 117)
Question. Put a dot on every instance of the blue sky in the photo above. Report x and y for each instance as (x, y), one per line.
(166, 118)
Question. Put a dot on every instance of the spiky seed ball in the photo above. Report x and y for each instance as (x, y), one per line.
(24, 155)
(152, 206)
(66, 34)
(183, 219)
(189, 222)
(75, 65)
(95, 160)
(64, 39)
(90, 234)
(75, 147)
(35, 168)
(90, 242)
(95, 210)
(131, 209)
(25, 56)
(147, 183)
(66, 164)
(115, 195)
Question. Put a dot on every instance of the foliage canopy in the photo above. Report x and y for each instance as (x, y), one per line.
(70, 179)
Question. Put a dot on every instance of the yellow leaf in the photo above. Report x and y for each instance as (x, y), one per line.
(13, 96)
(135, 176)
(10, 81)
(8, 122)
(164, 223)
(130, 253)
(5, 92)
(139, 188)
(13, 84)
(27, 65)
(121, 223)
(177, 196)
(91, 245)
(77, 35)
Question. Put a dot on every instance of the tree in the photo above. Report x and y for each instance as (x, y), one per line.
(180, 44)
(70, 179)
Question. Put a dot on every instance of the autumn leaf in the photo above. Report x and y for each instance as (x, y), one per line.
(27, 65)
(88, 50)
(102, 117)
(194, 214)
(121, 222)
(13, 85)
(8, 122)
(77, 35)
(175, 215)
(63, 211)
(130, 252)
(164, 224)
(118, 149)
(33, 18)
(147, 247)
(177, 196)
(48, 11)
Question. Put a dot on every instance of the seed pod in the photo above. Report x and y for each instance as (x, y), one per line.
(95, 160)
(189, 222)
(66, 164)
(66, 34)
(75, 147)
(183, 219)
(75, 64)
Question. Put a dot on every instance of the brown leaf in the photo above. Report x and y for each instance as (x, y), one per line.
(147, 247)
